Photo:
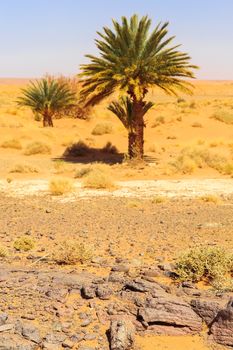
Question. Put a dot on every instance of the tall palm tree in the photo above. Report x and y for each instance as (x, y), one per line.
(133, 59)
(47, 97)
(125, 112)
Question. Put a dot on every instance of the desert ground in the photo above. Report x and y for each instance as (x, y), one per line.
(131, 224)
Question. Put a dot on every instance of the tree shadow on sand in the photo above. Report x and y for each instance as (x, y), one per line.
(80, 152)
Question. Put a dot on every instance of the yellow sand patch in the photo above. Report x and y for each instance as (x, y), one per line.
(171, 343)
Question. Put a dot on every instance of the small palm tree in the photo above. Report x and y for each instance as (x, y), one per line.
(47, 97)
(125, 112)
(133, 59)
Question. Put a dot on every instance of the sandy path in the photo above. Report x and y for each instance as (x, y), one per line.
(143, 189)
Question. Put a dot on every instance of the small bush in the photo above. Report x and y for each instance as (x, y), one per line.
(71, 252)
(211, 198)
(110, 148)
(158, 121)
(197, 125)
(60, 186)
(13, 143)
(102, 129)
(159, 200)
(78, 149)
(180, 100)
(37, 147)
(192, 105)
(24, 243)
(4, 253)
(223, 116)
(83, 172)
(211, 263)
(24, 169)
(198, 157)
(98, 179)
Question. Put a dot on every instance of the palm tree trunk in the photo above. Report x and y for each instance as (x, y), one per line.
(136, 141)
(47, 119)
(131, 144)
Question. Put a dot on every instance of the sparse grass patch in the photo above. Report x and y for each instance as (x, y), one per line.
(37, 147)
(197, 125)
(98, 179)
(223, 116)
(24, 169)
(133, 204)
(152, 148)
(24, 243)
(198, 157)
(13, 143)
(159, 200)
(4, 252)
(158, 121)
(211, 198)
(60, 186)
(72, 252)
(204, 263)
(102, 129)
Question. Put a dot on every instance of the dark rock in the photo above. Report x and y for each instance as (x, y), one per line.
(222, 327)
(88, 291)
(169, 315)
(121, 335)
(143, 286)
(104, 292)
(207, 310)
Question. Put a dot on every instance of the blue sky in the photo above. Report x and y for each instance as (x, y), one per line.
(39, 36)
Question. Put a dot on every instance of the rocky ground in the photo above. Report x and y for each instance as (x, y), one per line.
(128, 287)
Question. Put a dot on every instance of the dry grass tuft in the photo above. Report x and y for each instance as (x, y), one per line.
(158, 121)
(102, 129)
(159, 200)
(60, 186)
(198, 157)
(24, 169)
(37, 147)
(211, 198)
(24, 244)
(4, 252)
(12, 143)
(223, 116)
(98, 179)
(72, 252)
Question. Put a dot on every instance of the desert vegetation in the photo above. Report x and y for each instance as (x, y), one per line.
(116, 221)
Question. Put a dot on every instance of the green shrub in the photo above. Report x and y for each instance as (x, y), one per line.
(102, 129)
(37, 147)
(71, 252)
(211, 263)
(24, 243)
